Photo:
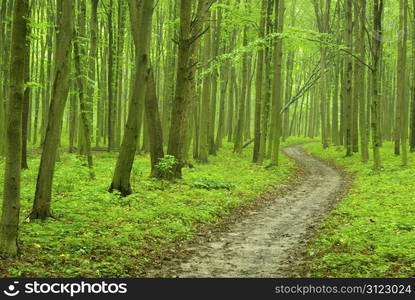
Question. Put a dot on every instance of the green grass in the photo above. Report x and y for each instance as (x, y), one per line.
(372, 231)
(98, 234)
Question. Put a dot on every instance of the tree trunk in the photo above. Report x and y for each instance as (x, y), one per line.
(9, 222)
(154, 127)
(376, 44)
(401, 95)
(266, 88)
(412, 137)
(43, 195)
(206, 99)
(85, 104)
(111, 117)
(26, 102)
(239, 132)
(277, 87)
(348, 101)
(141, 20)
(190, 33)
(259, 84)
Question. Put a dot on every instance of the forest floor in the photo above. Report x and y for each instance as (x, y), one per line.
(371, 232)
(266, 243)
(99, 234)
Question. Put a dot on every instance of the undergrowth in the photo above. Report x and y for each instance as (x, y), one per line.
(99, 234)
(372, 231)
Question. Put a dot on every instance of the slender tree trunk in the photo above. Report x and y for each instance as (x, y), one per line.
(190, 33)
(277, 87)
(43, 196)
(348, 80)
(9, 222)
(216, 40)
(242, 100)
(3, 74)
(376, 44)
(26, 103)
(259, 85)
(360, 10)
(141, 20)
(154, 127)
(111, 117)
(401, 95)
(266, 88)
(224, 83)
(85, 105)
(206, 99)
(412, 137)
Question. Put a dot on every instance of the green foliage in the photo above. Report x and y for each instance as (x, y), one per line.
(372, 231)
(166, 166)
(33, 85)
(209, 184)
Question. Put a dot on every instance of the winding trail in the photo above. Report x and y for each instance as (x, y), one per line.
(262, 244)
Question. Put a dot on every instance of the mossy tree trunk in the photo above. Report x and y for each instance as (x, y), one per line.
(154, 126)
(277, 86)
(206, 99)
(60, 88)
(190, 31)
(9, 222)
(377, 37)
(141, 13)
(259, 84)
(85, 105)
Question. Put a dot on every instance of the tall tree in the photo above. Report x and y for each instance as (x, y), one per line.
(60, 88)
(348, 77)
(189, 34)
(360, 11)
(154, 127)
(266, 87)
(242, 99)
(259, 84)
(85, 105)
(111, 117)
(322, 11)
(9, 222)
(412, 137)
(277, 86)
(401, 80)
(141, 13)
(377, 42)
(206, 99)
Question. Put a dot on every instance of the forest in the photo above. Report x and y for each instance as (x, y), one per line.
(207, 138)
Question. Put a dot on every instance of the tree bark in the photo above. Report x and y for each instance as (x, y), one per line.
(348, 101)
(43, 195)
(277, 87)
(9, 222)
(154, 127)
(85, 104)
(190, 33)
(376, 44)
(259, 85)
(206, 99)
(141, 19)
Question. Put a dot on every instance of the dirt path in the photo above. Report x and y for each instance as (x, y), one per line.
(263, 244)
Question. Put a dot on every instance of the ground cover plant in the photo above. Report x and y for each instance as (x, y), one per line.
(371, 232)
(100, 234)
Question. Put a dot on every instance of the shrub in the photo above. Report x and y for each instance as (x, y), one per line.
(209, 184)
